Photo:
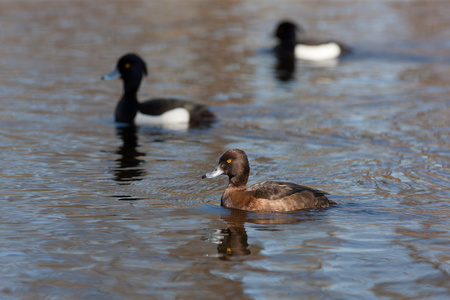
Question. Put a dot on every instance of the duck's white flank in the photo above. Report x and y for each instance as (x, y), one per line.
(317, 52)
(174, 116)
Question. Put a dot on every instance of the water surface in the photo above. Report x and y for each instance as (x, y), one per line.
(90, 210)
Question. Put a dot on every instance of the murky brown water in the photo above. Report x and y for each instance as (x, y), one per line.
(91, 211)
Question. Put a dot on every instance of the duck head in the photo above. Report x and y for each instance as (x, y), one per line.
(233, 163)
(130, 68)
(288, 33)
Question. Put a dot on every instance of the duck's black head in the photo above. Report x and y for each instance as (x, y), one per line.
(234, 164)
(288, 32)
(130, 68)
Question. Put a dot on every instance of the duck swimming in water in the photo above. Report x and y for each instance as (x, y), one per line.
(276, 196)
(291, 43)
(157, 112)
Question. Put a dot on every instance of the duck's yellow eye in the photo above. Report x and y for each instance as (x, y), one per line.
(229, 160)
(127, 66)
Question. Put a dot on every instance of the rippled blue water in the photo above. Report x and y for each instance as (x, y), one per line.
(94, 211)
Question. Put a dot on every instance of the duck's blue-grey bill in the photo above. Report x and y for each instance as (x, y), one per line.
(214, 173)
(113, 75)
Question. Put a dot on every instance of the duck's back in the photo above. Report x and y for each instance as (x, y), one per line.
(286, 196)
(197, 113)
(156, 107)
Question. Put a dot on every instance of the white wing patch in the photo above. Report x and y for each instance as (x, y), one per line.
(177, 118)
(317, 52)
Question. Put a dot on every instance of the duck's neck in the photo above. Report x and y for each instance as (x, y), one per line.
(130, 91)
(131, 85)
(128, 105)
(130, 96)
(288, 45)
(239, 181)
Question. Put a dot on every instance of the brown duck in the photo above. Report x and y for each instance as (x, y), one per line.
(265, 196)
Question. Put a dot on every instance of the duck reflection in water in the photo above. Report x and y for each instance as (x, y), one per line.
(285, 66)
(233, 242)
(128, 163)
